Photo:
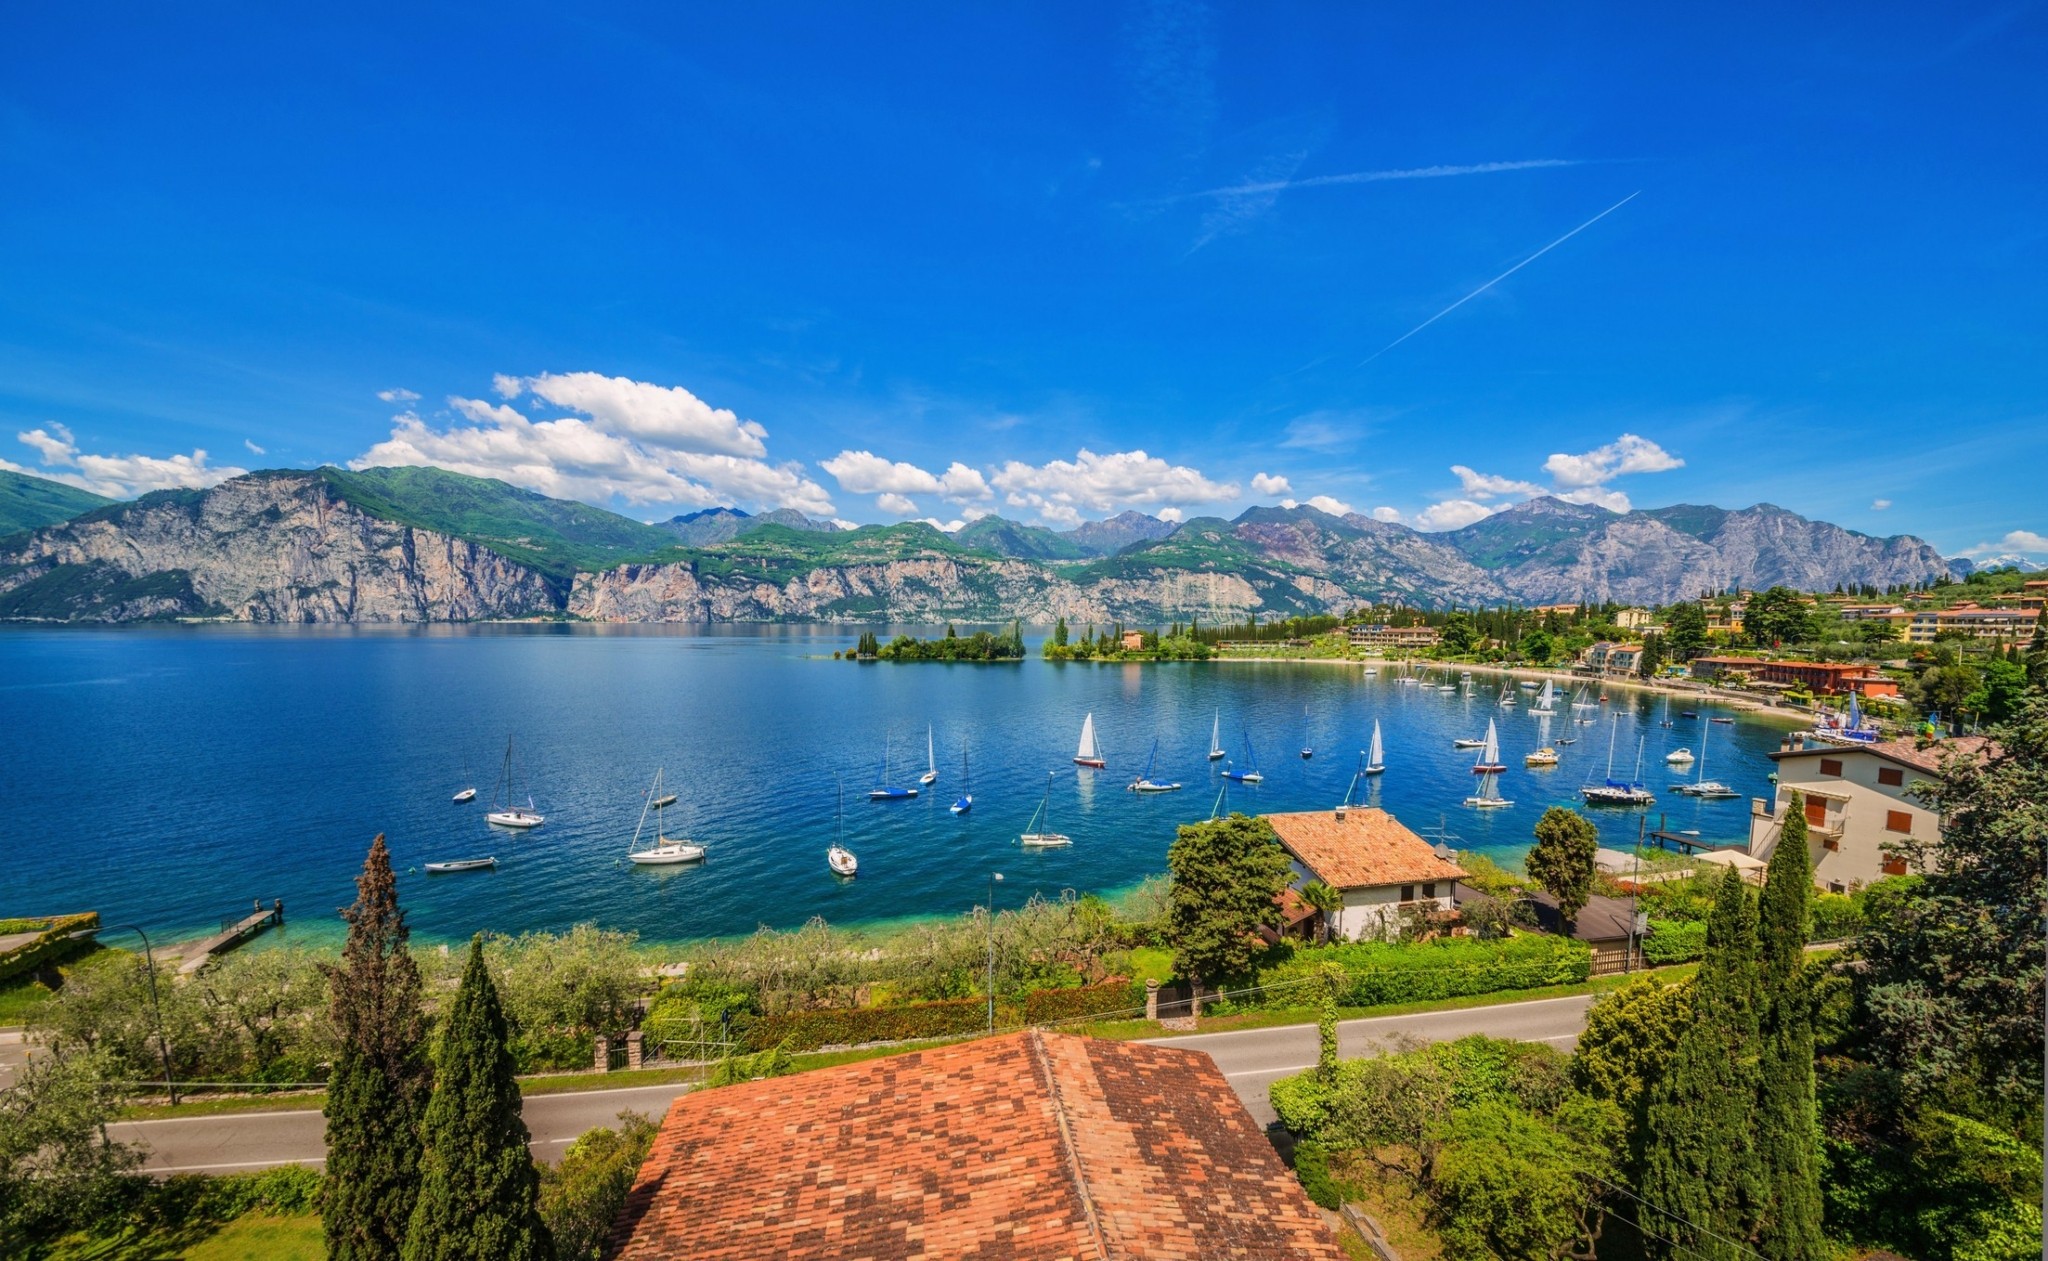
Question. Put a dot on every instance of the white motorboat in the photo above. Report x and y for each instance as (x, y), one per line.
(1472, 743)
(509, 816)
(459, 864)
(1038, 833)
(663, 850)
(1678, 757)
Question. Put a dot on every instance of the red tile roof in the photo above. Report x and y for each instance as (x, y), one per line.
(1360, 847)
(1925, 755)
(1031, 1147)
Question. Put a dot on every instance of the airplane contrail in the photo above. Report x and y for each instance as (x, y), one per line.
(1503, 276)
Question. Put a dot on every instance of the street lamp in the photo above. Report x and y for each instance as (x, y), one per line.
(156, 1008)
(994, 879)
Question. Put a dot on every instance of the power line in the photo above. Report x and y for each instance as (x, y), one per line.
(1734, 1243)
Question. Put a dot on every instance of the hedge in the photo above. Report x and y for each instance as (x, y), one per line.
(54, 943)
(1834, 916)
(1674, 941)
(1381, 973)
(852, 1026)
(1116, 996)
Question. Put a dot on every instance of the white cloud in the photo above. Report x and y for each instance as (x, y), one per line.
(1453, 513)
(1335, 507)
(617, 451)
(398, 396)
(1326, 430)
(1879, 505)
(1599, 496)
(1270, 484)
(1059, 489)
(668, 415)
(115, 476)
(865, 473)
(900, 505)
(253, 448)
(1174, 515)
(1487, 485)
(1626, 454)
(1388, 515)
(944, 527)
(2023, 541)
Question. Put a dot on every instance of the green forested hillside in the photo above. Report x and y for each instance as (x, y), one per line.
(29, 503)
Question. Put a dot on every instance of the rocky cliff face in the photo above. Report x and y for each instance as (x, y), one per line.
(291, 547)
(269, 549)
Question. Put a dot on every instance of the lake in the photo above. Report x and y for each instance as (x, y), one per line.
(167, 776)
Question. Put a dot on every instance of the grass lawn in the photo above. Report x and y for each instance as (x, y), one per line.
(21, 995)
(251, 1237)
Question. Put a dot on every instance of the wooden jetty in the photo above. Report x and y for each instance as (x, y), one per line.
(233, 932)
(1683, 843)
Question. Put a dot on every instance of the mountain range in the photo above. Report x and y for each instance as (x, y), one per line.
(423, 544)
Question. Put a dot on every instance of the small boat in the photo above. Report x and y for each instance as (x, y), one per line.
(1489, 762)
(467, 794)
(1678, 757)
(1688, 713)
(1507, 699)
(1375, 757)
(663, 851)
(1468, 742)
(1251, 776)
(1089, 753)
(512, 816)
(1145, 783)
(1527, 685)
(1726, 722)
(931, 759)
(1216, 737)
(459, 864)
(1567, 739)
(1618, 792)
(965, 802)
(1547, 702)
(839, 858)
(1038, 833)
(1701, 786)
(883, 791)
(1545, 756)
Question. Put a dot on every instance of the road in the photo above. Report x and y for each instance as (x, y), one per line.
(1251, 1060)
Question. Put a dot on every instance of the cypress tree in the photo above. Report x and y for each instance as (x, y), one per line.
(378, 1084)
(1786, 1126)
(1698, 1163)
(479, 1193)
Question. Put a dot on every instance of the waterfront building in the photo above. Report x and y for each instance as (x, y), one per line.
(1822, 678)
(1380, 635)
(1034, 1145)
(1973, 621)
(1381, 868)
(1613, 659)
(1857, 799)
(1633, 619)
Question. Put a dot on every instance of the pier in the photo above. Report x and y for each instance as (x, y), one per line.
(233, 932)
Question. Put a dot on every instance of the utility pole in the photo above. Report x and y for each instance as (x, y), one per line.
(993, 879)
(156, 1008)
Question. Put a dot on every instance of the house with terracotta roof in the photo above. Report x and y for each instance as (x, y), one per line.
(1031, 1147)
(1369, 856)
(1857, 799)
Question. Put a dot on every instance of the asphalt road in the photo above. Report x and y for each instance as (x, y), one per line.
(1251, 1060)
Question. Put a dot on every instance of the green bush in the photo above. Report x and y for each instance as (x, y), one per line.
(1312, 1166)
(1674, 941)
(852, 1026)
(1834, 917)
(55, 942)
(552, 1050)
(581, 1197)
(1114, 996)
(1379, 973)
(1302, 1102)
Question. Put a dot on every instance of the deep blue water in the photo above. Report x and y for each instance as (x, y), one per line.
(167, 776)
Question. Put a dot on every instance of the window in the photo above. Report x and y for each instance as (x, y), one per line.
(1429, 890)
(1816, 813)
(1407, 893)
(1898, 821)
(1894, 866)
(1831, 766)
(1836, 886)
(1891, 777)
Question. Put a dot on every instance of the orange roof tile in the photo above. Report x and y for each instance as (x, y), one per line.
(1360, 847)
(1030, 1147)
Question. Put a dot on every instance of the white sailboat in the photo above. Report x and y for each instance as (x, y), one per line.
(1701, 786)
(504, 814)
(467, 794)
(965, 801)
(1375, 757)
(1547, 702)
(1089, 753)
(1618, 792)
(460, 864)
(1488, 768)
(839, 858)
(1038, 833)
(1216, 737)
(931, 758)
(662, 851)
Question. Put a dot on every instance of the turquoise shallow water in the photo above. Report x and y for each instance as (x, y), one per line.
(167, 776)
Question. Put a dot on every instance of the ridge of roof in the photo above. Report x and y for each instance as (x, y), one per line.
(1041, 1062)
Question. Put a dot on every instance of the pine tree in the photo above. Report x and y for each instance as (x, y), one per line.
(1786, 1122)
(378, 1084)
(1699, 1174)
(479, 1193)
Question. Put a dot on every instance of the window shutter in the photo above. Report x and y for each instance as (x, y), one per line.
(1831, 766)
(1816, 813)
(1898, 821)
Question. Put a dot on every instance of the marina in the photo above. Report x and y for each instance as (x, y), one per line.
(756, 726)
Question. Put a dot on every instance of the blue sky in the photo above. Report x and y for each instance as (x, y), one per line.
(938, 260)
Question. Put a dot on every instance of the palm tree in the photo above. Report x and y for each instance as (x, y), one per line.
(1327, 900)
